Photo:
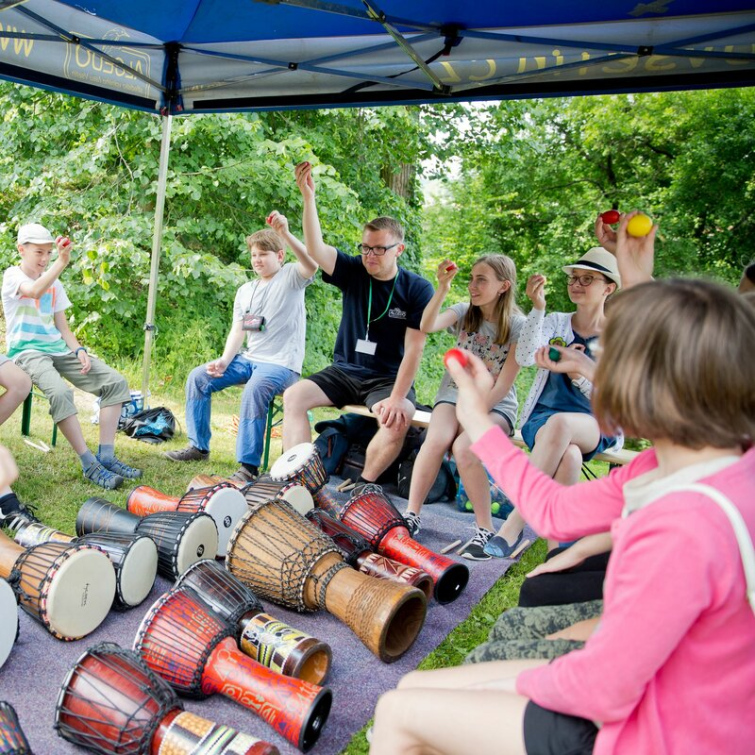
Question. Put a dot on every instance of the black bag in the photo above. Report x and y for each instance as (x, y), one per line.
(332, 445)
(151, 425)
(443, 489)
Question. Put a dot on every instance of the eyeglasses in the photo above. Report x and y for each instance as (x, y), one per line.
(378, 251)
(583, 280)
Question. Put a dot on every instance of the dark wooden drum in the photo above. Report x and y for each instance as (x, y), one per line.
(110, 702)
(12, 738)
(187, 645)
(284, 558)
(262, 637)
(66, 587)
(266, 489)
(8, 621)
(376, 518)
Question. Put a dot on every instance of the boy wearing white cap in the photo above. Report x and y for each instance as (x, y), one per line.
(40, 342)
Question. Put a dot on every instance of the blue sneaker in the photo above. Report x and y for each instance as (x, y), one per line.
(119, 468)
(499, 548)
(97, 474)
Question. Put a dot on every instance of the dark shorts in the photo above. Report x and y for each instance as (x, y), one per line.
(510, 420)
(550, 733)
(342, 388)
(536, 421)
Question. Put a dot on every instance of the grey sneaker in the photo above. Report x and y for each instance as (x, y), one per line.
(474, 550)
(413, 523)
(190, 453)
(243, 476)
(119, 468)
(97, 474)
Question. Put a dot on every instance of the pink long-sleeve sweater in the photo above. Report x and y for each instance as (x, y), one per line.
(671, 668)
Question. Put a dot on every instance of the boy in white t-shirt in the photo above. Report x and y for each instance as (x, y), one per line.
(40, 342)
(269, 312)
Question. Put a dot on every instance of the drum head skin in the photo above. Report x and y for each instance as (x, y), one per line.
(226, 507)
(292, 461)
(138, 572)
(80, 593)
(8, 620)
(300, 498)
(200, 540)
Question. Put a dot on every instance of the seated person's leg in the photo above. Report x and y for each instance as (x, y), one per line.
(266, 381)
(200, 386)
(440, 435)
(329, 387)
(17, 385)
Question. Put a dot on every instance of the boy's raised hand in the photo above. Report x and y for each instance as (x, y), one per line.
(304, 180)
(536, 290)
(64, 246)
(278, 222)
(634, 254)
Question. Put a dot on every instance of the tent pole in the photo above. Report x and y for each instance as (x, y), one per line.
(157, 238)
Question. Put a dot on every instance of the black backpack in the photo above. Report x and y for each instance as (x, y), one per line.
(443, 489)
(151, 425)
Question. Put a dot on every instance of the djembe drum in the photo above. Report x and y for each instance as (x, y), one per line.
(286, 559)
(302, 465)
(265, 489)
(12, 739)
(262, 637)
(181, 538)
(134, 558)
(8, 621)
(110, 702)
(222, 501)
(376, 518)
(66, 587)
(360, 555)
(182, 641)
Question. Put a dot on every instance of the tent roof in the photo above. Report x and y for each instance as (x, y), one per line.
(214, 55)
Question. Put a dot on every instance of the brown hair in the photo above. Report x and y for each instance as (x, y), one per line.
(505, 270)
(386, 224)
(677, 364)
(267, 240)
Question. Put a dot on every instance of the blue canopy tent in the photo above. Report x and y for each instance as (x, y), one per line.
(176, 57)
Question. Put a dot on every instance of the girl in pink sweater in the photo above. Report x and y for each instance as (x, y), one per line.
(671, 667)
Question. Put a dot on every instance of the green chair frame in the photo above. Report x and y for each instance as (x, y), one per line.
(26, 418)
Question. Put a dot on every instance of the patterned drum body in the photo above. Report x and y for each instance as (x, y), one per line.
(98, 515)
(265, 489)
(181, 640)
(12, 739)
(181, 539)
(8, 623)
(134, 558)
(29, 534)
(111, 703)
(68, 588)
(301, 464)
(285, 558)
(375, 517)
(351, 543)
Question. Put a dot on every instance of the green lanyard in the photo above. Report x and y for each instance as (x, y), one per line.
(387, 306)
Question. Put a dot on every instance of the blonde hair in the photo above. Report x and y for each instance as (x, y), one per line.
(677, 364)
(504, 269)
(267, 240)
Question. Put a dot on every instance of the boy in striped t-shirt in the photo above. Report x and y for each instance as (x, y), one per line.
(41, 343)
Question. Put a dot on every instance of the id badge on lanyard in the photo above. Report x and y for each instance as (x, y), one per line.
(364, 345)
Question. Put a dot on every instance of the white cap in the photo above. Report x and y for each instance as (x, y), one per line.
(34, 233)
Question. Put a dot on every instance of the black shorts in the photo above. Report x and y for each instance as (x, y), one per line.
(343, 388)
(550, 733)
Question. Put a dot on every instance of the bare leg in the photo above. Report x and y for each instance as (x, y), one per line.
(109, 416)
(567, 474)
(17, 385)
(385, 447)
(297, 401)
(440, 434)
(71, 429)
(474, 477)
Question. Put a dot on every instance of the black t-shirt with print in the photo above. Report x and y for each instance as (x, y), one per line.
(410, 297)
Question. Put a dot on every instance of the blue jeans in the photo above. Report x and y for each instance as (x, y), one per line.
(263, 382)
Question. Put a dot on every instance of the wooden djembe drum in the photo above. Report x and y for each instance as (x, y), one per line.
(360, 555)
(284, 558)
(261, 636)
(8, 621)
(111, 703)
(377, 519)
(12, 738)
(185, 643)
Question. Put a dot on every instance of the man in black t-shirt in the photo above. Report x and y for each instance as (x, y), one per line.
(379, 344)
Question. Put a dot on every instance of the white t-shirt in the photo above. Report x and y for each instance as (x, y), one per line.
(281, 302)
(30, 323)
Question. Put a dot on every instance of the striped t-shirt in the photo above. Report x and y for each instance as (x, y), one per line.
(30, 323)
